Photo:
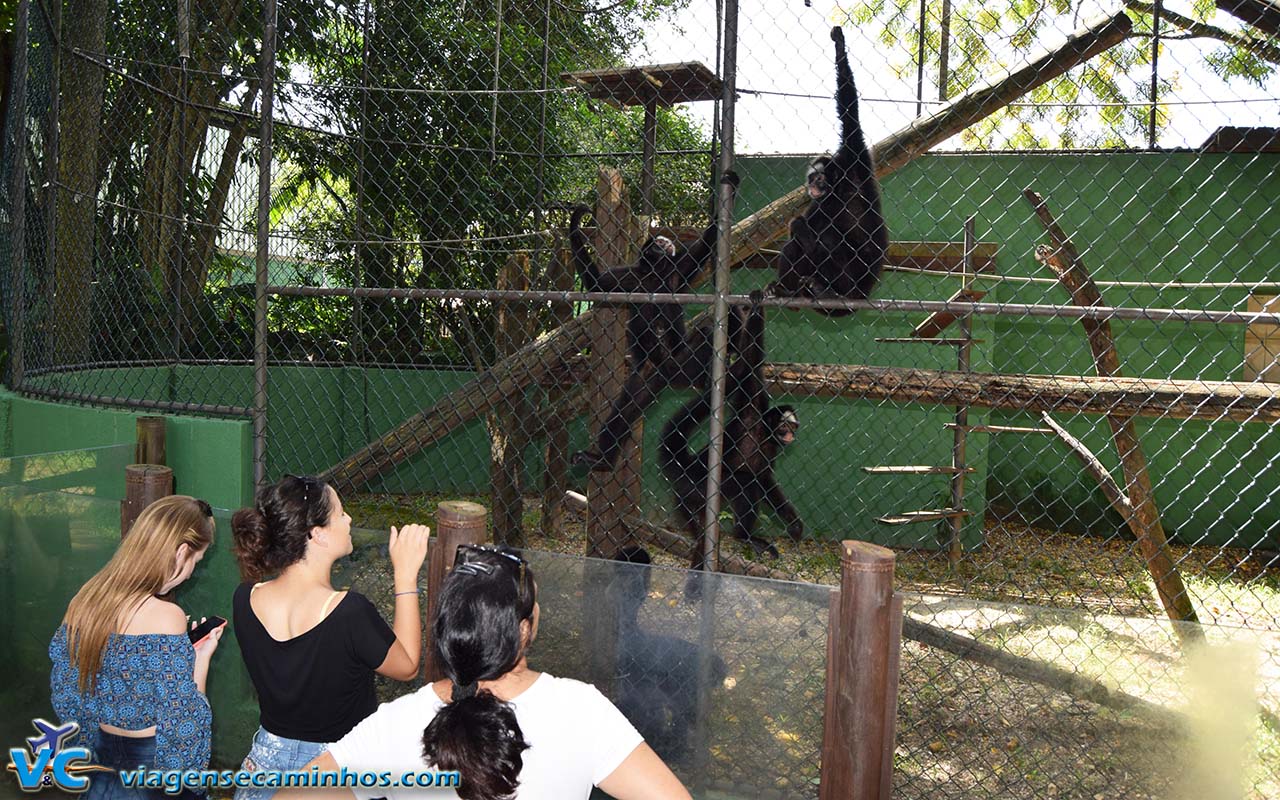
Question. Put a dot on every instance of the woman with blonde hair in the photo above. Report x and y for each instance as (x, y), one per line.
(124, 667)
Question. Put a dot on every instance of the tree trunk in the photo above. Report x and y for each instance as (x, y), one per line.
(79, 119)
(205, 236)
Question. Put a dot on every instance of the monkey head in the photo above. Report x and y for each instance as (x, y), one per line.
(782, 423)
(816, 179)
(665, 245)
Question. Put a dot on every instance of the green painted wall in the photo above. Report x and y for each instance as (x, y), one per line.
(1153, 217)
(211, 458)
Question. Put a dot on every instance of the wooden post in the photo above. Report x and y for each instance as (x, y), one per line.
(649, 157)
(616, 493)
(143, 485)
(555, 480)
(508, 424)
(457, 522)
(863, 648)
(1065, 262)
(151, 443)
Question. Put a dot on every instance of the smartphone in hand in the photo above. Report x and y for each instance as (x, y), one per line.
(201, 632)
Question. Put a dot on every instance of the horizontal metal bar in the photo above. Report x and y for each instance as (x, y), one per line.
(66, 369)
(129, 402)
(959, 307)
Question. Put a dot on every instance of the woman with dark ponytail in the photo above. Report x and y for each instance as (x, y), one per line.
(508, 731)
(311, 651)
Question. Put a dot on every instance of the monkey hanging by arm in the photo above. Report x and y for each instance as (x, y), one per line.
(753, 440)
(662, 354)
(838, 246)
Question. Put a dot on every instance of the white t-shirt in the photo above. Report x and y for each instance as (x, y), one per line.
(576, 737)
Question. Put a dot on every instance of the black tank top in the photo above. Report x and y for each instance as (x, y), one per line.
(319, 684)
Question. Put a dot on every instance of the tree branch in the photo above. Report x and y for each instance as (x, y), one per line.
(1263, 49)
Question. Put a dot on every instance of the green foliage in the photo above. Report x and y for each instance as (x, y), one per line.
(1109, 89)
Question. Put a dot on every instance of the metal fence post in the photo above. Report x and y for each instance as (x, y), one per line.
(260, 278)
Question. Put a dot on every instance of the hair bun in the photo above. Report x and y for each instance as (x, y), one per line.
(250, 542)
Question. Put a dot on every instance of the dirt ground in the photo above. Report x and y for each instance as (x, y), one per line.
(969, 730)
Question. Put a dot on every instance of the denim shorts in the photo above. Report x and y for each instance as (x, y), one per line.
(271, 752)
(125, 753)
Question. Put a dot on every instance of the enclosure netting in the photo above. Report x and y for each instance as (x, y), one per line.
(422, 332)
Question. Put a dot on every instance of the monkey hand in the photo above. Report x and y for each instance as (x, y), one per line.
(592, 460)
(837, 35)
(795, 529)
(757, 297)
(732, 178)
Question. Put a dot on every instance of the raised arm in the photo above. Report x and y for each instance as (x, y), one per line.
(853, 152)
(588, 272)
(408, 548)
(746, 387)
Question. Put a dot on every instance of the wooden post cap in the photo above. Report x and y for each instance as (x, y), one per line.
(867, 557)
(145, 473)
(460, 513)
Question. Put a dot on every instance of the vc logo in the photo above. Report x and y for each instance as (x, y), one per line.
(45, 763)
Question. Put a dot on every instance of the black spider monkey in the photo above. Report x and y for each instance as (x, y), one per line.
(663, 353)
(753, 441)
(838, 246)
(657, 675)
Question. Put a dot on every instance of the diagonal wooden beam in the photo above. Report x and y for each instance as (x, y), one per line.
(1144, 520)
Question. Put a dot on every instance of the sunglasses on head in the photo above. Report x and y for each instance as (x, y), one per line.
(468, 567)
(306, 488)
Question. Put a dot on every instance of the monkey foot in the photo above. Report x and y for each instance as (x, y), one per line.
(693, 586)
(762, 548)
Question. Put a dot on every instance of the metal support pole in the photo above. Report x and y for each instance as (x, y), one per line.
(497, 66)
(53, 166)
(924, 11)
(264, 231)
(1155, 73)
(944, 50)
(715, 449)
(17, 147)
(720, 341)
(960, 439)
(648, 157)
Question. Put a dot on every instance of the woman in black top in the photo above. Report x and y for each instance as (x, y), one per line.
(311, 651)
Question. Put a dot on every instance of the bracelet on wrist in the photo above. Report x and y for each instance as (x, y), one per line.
(411, 591)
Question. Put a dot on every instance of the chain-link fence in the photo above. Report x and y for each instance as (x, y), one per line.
(356, 231)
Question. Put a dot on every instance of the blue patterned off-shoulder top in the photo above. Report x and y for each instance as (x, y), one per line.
(144, 680)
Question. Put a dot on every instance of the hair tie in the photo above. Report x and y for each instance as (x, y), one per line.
(461, 691)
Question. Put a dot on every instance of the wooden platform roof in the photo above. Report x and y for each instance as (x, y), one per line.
(661, 84)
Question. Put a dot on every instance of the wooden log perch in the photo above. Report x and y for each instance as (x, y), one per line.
(1164, 398)
(1144, 517)
(1094, 467)
(531, 363)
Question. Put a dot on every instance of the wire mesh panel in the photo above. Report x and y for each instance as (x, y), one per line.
(1044, 372)
(1032, 701)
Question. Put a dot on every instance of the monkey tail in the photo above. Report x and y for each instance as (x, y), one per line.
(675, 457)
